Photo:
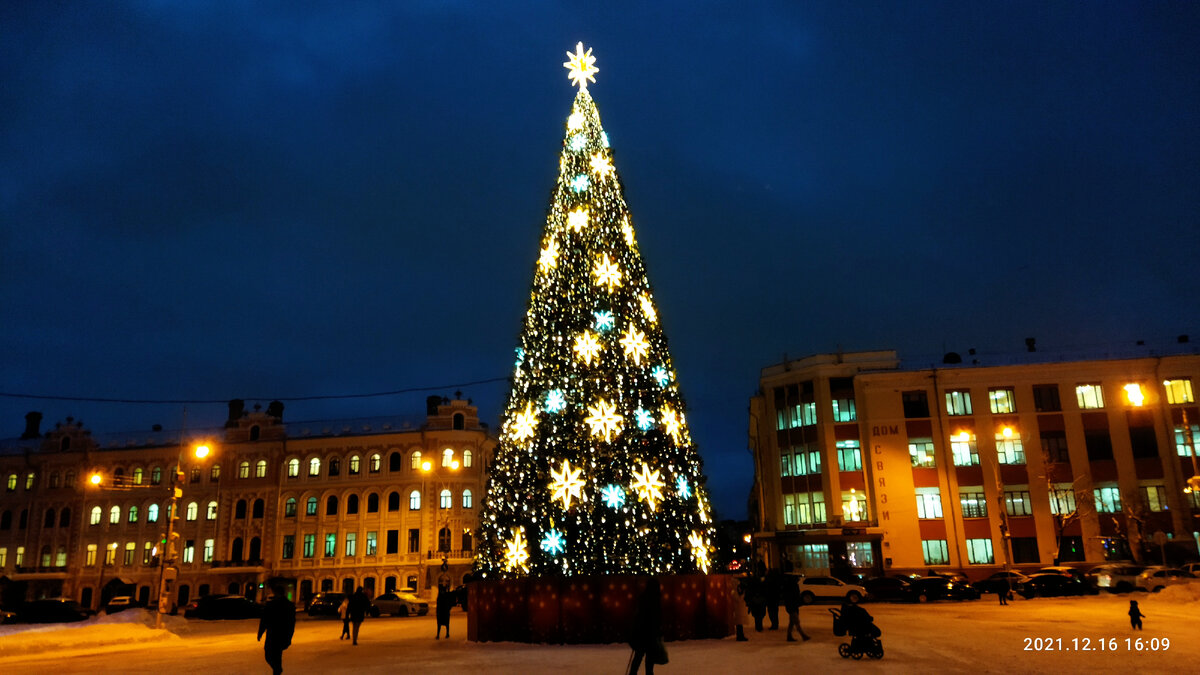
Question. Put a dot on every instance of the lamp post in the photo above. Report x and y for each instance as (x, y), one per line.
(426, 469)
(170, 549)
(103, 567)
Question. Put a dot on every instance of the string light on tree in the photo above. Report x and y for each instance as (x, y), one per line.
(699, 550)
(648, 308)
(549, 256)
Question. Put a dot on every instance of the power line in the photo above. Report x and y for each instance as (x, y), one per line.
(326, 397)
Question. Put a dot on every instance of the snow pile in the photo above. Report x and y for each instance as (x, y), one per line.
(130, 626)
(1188, 593)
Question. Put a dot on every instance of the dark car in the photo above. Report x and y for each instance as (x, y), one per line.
(1052, 584)
(1001, 581)
(212, 607)
(942, 588)
(53, 610)
(890, 588)
(326, 603)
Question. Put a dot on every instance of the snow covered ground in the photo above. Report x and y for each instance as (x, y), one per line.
(956, 637)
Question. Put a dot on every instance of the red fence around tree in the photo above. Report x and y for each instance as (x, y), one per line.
(597, 609)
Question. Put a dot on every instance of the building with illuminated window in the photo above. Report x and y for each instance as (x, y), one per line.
(866, 465)
(328, 505)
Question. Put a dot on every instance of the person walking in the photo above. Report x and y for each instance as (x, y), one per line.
(791, 604)
(756, 601)
(645, 637)
(359, 604)
(771, 590)
(344, 613)
(445, 600)
(278, 622)
(1135, 615)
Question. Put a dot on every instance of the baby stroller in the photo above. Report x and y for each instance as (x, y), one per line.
(864, 635)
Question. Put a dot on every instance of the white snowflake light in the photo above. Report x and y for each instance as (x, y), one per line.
(578, 142)
(555, 401)
(644, 419)
(579, 183)
(549, 258)
(613, 496)
(660, 375)
(553, 542)
(581, 67)
(604, 320)
(682, 487)
(577, 219)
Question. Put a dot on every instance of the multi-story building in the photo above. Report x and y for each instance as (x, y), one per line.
(381, 503)
(864, 465)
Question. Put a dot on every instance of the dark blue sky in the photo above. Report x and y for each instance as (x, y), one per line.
(202, 203)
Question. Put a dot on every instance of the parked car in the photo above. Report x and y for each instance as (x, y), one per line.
(889, 588)
(829, 588)
(1000, 581)
(399, 604)
(1052, 584)
(1157, 578)
(942, 588)
(1114, 577)
(326, 603)
(1194, 568)
(119, 603)
(7, 616)
(51, 610)
(1063, 569)
(213, 607)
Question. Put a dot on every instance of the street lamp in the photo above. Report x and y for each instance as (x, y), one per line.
(426, 469)
(170, 550)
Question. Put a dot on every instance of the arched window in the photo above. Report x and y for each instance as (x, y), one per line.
(466, 540)
(23, 519)
(416, 459)
(49, 518)
(355, 465)
(119, 473)
(352, 505)
(114, 515)
(255, 548)
(244, 470)
(414, 501)
(95, 517)
(394, 501)
(235, 552)
(467, 499)
(314, 466)
(6, 519)
(53, 479)
(289, 507)
(196, 473)
(69, 479)
(445, 499)
(376, 460)
(133, 514)
(214, 474)
(45, 556)
(255, 432)
(212, 511)
(193, 511)
(459, 418)
(11, 484)
(64, 517)
(335, 466)
(293, 468)
(372, 503)
(65, 444)
(152, 513)
(444, 539)
(137, 476)
(394, 460)
(259, 507)
(60, 557)
(310, 508)
(447, 457)
(260, 469)
(466, 458)
(156, 476)
(239, 509)
(331, 506)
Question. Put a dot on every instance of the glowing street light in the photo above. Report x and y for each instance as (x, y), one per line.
(202, 451)
(1133, 392)
(95, 479)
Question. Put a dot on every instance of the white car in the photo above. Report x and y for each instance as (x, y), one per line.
(401, 604)
(1157, 578)
(1194, 568)
(828, 588)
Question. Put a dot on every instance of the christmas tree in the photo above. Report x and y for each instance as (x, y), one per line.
(595, 472)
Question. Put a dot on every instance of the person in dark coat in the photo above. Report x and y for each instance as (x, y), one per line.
(645, 637)
(772, 586)
(791, 603)
(359, 605)
(278, 622)
(756, 600)
(1135, 615)
(445, 600)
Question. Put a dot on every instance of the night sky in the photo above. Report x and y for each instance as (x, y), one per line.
(267, 201)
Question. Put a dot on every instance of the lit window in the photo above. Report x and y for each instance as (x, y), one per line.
(97, 514)
(929, 503)
(355, 464)
(1181, 440)
(935, 551)
(189, 551)
(786, 465)
(1154, 497)
(89, 556)
(466, 458)
(212, 511)
(314, 467)
(466, 499)
(376, 462)
(244, 470)
(962, 446)
(1062, 499)
(843, 410)
(11, 485)
(372, 543)
(1002, 401)
(114, 515)
(208, 550)
(958, 403)
(414, 500)
(193, 510)
(447, 457)
(1108, 499)
(330, 545)
(133, 514)
(351, 544)
(147, 553)
(920, 451)
(156, 475)
(973, 502)
(214, 474)
(1008, 447)
(445, 499)
(152, 514)
(29, 481)
(1090, 396)
(789, 509)
(310, 545)
(289, 546)
(804, 415)
(1179, 391)
(979, 552)
(130, 550)
(1017, 503)
(137, 476)
(260, 469)
(416, 459)
(110, 554)
(293, 468)
(854, 505)
(310, 507)
(810, 508)
(849, 456)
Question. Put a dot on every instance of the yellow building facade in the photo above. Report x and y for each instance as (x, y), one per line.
(866, 466)
(382, 503)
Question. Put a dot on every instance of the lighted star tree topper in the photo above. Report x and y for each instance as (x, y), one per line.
(595, 465)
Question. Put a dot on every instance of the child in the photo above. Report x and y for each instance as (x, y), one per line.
(1135, 615)
(344, 614)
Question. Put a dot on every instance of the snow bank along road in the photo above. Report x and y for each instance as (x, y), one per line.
(1063, 635)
